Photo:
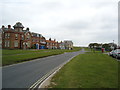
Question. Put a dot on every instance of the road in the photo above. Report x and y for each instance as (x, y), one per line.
(25, 74)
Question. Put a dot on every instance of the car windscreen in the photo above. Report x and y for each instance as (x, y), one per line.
(118, 50)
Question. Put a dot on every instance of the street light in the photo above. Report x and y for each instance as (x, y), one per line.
(113, 44)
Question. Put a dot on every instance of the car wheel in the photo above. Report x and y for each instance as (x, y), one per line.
(116, 57)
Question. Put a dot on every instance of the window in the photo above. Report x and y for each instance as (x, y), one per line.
(37, 35)
(7, 43)
(28, 37)
(5, 35)
(16, 36)
(41, 40)
(8, 35)
(15, 43)
(28, 44)
(22, 37)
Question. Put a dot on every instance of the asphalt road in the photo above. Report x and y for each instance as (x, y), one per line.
(25, 74)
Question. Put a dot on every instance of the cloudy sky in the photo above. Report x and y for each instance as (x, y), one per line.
(82, 21)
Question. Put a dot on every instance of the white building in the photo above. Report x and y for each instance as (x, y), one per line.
(68, 44)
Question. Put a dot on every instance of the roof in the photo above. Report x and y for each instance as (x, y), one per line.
(36, 34)
(6, 29)
(18, 25)
(50, 41)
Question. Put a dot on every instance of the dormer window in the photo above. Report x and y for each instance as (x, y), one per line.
(37, 35)
(28, 37)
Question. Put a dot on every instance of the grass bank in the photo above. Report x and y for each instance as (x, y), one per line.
(90, 70)
(16, 56)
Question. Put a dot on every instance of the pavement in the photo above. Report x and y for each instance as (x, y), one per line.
(24, 75)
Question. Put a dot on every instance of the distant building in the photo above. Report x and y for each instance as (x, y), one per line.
(52, 44)
(68, 44)
(62, 45)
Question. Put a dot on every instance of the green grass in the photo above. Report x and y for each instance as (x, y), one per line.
(90, 70)
(16, 56)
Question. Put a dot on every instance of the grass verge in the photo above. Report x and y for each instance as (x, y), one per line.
(90, 70)
(17, 56)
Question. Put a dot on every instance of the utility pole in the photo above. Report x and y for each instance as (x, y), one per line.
(113, 44)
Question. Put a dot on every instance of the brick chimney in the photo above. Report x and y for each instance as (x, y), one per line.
(9, 26)
(3, 26)
(49, 39)
(27, 29)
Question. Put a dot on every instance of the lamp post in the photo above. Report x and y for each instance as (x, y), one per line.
(113, 44)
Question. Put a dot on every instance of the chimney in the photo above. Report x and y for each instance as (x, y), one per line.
(9, 26)
(49, 39)
(3, 26)
(27, 29)
(54, 39)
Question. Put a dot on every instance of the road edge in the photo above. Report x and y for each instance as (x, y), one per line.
(41, 82)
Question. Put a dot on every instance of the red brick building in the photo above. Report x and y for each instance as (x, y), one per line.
(38, 41)
(17, 38)
(20, 38)
(52, 44)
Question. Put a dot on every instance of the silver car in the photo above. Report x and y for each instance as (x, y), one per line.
(111, 53)
(116, 53)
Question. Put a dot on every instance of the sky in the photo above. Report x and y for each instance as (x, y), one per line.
(82, 21)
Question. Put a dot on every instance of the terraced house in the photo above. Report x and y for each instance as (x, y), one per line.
(52, 44)
(20, 38)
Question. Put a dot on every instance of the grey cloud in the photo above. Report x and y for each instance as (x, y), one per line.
(109, 26)
(77, 25)
(56, 24)
(51, 4)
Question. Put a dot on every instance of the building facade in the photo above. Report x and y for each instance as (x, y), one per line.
(17, 38)
(62, 45)
(68, 44)
(52, 44)
(20, 38)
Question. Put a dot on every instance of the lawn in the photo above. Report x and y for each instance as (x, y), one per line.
(90, 70)
(16, 56)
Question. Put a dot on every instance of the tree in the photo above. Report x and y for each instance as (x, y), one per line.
(106, 46)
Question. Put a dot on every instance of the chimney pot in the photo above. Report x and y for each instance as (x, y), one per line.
(3, 26)
(9, 26)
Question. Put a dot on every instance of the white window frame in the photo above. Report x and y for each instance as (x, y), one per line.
(8, 43)
(5, 43)
(15, 43)
(16, 36)
(5, 35)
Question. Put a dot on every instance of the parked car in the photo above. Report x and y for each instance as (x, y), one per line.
(116, 53)
(111, 53)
